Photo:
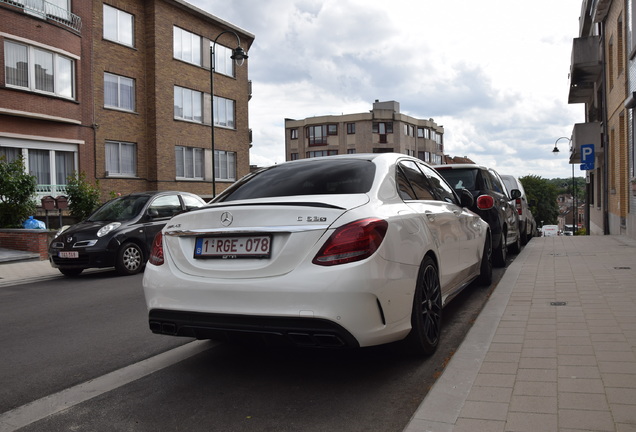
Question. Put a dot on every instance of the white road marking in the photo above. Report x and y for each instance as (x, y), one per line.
(49, 405)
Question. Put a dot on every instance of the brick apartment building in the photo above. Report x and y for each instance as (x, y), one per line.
(383, 129)
(136, 112)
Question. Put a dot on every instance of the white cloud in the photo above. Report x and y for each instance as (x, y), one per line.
(494, 73)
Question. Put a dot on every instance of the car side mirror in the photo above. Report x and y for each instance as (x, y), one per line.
(515, 193)
(153, 213)
(466, 198)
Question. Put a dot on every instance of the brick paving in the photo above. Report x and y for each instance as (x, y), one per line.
(554, 348)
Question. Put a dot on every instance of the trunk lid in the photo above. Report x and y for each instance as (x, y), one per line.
(262, 238)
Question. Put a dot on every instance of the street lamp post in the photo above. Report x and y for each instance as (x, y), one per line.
(239, 56)
(575, 210)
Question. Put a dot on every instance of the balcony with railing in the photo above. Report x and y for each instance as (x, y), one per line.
(43, 190)
(47, 11)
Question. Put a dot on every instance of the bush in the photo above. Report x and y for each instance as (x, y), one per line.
(83, 197)
(17, 193)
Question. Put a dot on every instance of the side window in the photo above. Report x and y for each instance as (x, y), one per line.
(191, 202)
(165, 206)
(404, 187)
(496, 183)
(442, 189)
(419, 182)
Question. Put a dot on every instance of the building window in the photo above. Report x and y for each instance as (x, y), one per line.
(223, 62)
(382, 150)
(320, 153)
(119, 92)
(351, 151)
(317, 135)
(423, 133)
(118, 26)
(293, 133)
(121, 158)
(332, 129)
(351, 128)
(51, 178)
(293, 156)
(223, 112)
(382, 127)
(189, 162)
(188, 104)
(224, 165)
(38, 70)
(187, 46)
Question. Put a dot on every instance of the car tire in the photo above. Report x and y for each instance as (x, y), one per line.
(70, 271)
(130, 259)
(485, 269)
(501, 252)
(515, 247)
(524, 236)
(426, 315)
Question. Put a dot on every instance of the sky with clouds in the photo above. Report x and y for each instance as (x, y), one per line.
(494, 73)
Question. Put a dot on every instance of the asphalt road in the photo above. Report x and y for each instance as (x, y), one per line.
(84, 346)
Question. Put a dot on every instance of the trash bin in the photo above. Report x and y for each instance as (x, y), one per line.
(61, 202)
(48, 203)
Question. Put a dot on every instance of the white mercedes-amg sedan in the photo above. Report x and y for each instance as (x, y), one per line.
(339, 251)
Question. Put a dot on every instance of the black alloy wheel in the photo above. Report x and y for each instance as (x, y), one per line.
(426, 316)
(485, 269)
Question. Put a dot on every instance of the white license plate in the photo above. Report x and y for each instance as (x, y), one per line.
(233, 247)
(63, 254)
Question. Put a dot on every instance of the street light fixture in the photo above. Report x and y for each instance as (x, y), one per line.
(239, 56)
(575, 215)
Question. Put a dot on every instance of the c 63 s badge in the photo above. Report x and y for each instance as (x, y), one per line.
(312, 219)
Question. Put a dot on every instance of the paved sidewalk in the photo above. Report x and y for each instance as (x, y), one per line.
(554, 348)
(17, 267)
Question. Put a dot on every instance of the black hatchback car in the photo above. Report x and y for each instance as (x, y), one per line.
(118, 234)
(493, 203)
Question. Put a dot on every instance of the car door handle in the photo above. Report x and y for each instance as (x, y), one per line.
(457, 212)
(430, 215)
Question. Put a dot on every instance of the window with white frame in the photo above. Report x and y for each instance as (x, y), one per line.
(119, 92)
(223, 112)
(189, 162)
(188, 104)
(187, 46)
(121, 158)
(118, 26)
(224, 165)
(37, 69)
(50, 166)
(223, 62)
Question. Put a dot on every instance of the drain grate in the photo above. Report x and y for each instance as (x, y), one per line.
(558, 303)
(622, 268)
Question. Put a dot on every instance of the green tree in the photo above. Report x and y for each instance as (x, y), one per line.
(83, 197)
(566, 186)
(542, 198)
(17, 193)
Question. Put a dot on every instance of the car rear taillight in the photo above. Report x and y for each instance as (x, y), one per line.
(352, 242)
(485, 202)
(519, 208)
(156, 253)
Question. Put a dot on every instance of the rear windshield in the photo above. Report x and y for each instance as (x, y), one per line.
(324, 177)
(461, 179)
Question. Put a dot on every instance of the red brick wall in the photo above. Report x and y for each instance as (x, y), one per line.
(27, 240)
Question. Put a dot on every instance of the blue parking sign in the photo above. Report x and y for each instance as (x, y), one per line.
(587, 156)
